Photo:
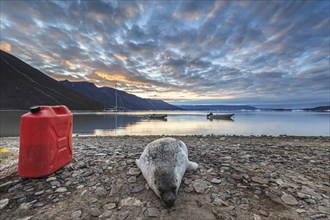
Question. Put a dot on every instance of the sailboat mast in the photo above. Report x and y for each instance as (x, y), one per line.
(116, 95)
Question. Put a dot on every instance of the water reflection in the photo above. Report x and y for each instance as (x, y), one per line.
(89, 123)
(9, 123)
(186, 123)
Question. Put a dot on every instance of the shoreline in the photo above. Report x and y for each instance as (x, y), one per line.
(240, 177)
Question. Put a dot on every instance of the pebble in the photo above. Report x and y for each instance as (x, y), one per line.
(106, 213)
(318, 216)
(124, 215)
(215, 181)
(153, 212)
(256, 217)
(61, 190)
(55, 183)
(76, 214)
(100, 191)
(310, 201)
(109, 206)
(289, 200)
(51, 179)
(14, 188)
(309, 191)
(300, 211)
(25, 205)
(39, 193)
(131, 201)
(134, 172)
(223, 195)
(4, 203)
(188, 189)
(239, 178)
(219, 202)
(259, 180)
(132, 179)
(95, 212)
(200, 185)
(138, 189)
(324, 209)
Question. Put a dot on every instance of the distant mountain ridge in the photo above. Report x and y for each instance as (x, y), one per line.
(319, 108)
(217, 107)
(125, 101)
(23, 86)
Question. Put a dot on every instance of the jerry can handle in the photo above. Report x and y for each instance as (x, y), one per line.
(60, 109)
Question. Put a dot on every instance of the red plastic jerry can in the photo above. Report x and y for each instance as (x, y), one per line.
(45, 140)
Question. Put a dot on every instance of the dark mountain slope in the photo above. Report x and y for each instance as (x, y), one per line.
(23, 86)
(125, 101)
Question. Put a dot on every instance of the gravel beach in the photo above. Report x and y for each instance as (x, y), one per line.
(239, 177)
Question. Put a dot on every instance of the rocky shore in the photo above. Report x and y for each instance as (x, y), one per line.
(239, 178)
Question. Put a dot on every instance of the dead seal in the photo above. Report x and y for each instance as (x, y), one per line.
(163, 164)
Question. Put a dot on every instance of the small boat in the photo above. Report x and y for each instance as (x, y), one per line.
(157, 116)
(219, 116)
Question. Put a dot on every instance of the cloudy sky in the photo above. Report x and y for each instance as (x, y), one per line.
(200, 52)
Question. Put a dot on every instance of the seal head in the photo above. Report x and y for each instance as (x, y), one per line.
(163, 164)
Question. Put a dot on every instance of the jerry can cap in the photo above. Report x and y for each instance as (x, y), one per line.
(35, 109)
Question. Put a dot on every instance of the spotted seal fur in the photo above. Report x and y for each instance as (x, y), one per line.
(163, 164)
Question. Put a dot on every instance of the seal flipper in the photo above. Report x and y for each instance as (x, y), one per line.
(192, 166)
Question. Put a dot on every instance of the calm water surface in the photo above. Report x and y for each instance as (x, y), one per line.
(186, 123)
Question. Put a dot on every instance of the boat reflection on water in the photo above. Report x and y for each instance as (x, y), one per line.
(222, 119)
(89, 123)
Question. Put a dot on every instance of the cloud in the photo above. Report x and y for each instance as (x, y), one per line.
(5, 47)
(190, 50)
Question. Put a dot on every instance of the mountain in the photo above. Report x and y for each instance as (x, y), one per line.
(318, 109)
(217, 107)
(125, 101)
(23, 86)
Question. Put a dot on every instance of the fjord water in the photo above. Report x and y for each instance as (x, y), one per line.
(297, 123)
